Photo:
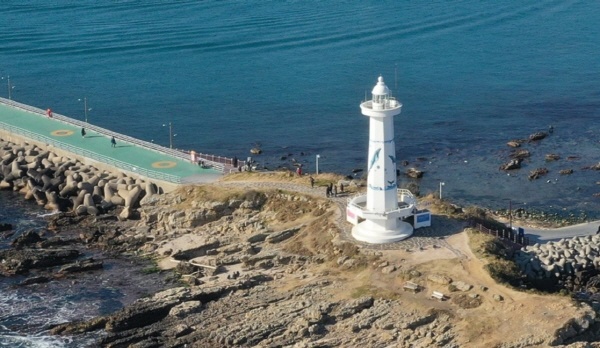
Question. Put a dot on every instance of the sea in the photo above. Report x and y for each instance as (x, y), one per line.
(288, 77)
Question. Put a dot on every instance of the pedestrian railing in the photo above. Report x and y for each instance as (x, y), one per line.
(515, 239)
(222, 164)
(90, 154)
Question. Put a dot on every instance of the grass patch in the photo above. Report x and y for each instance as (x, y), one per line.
(368, 290)
(500, 265)
(186, 196)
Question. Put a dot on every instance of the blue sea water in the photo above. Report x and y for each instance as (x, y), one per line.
(289, 75)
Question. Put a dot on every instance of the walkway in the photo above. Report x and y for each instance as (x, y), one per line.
(129, 154)
(538, 235)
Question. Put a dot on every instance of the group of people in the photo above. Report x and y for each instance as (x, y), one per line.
(113, 141)
(332, 190)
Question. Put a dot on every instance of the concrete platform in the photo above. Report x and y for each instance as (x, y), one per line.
(129, 154)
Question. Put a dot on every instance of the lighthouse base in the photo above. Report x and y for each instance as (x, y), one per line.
(370, 232)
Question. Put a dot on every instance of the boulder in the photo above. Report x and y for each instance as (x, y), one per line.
(439, 279)
(535, 174)
(514, 143)
(537, 136)
(512, 164)
(277, 237)
(462, 286)
(414, 173)
(521, 154)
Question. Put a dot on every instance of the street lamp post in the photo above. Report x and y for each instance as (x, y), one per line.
(441, 184)
(509, 211)
(9, 89)
(9, 86)
(85, 109)
(317, 157)
(170, 134)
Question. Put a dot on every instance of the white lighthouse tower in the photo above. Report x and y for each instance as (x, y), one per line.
(378, 214)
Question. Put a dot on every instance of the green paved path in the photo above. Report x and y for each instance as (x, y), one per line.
(129, 154)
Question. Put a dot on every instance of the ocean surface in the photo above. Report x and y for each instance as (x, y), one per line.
(289, 76)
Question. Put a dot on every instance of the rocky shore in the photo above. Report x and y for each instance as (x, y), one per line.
(269, 266)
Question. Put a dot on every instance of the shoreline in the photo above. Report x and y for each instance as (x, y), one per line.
(249, 254)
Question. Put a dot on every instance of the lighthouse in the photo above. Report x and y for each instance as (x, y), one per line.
(378, 215)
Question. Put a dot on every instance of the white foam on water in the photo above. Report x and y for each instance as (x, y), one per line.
(48, 214)
(37, 341)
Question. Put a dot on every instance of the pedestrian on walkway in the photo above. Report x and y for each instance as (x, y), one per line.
(312, 181)
(49, 113)
(327, 191)
(113, 142)
(82, 132)
(341, 187)
(335, 190)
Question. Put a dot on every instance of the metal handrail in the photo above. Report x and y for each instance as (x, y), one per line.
(161, 149)
(90, 154)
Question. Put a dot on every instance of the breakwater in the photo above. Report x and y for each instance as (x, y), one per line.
(21, 122)
(61, 183)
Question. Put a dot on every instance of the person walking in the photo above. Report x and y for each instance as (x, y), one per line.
(312, 182)
(113, 142)
(82, 132)
(334, 190)
(341, 187)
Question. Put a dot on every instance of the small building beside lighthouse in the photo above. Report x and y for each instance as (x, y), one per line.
(378, 216)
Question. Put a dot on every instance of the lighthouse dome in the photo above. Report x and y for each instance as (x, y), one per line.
(380, 88)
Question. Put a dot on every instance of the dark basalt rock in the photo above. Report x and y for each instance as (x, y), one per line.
(537, 136)
(28, 238)
(5, 227)
(521, 154)
(513, 164)
(515, 143)
(414, 173)
(21, 261)
(81, 266)
(534, 174)
(595, 166)
(34, 280)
